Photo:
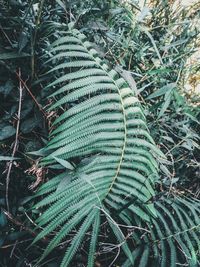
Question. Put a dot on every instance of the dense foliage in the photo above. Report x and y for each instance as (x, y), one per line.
(73, 131)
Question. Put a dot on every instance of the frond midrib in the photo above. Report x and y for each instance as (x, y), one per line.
(124, 119)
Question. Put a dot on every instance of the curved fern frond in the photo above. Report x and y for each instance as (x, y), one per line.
(106, 119)
(101, 125)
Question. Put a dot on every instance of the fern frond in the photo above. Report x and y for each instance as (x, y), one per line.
(79, 237)
(100, 118)
(102, 126)
(93, 241)
(174, 235)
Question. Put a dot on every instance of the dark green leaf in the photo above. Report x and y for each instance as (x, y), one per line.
(64, 163)
(28, 125)
(12, 55)
(3, 219)
(6, 89)
(163, 90)
(7, 132)
(5, 158)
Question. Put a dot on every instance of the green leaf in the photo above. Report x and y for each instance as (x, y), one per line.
(61, 4)
(163, 90)
(3, 219)
(101, 119)
(5, 158)
(192, 117)
(28, 125)
(2, 239)
(147, 32)
(23, 40)
(40, 152)
(26, 108)
(12, 55)
(6, 88)
(7, 132)
(166, 103)
(64, 163)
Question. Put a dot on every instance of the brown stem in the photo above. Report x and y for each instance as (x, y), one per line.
(31, 94)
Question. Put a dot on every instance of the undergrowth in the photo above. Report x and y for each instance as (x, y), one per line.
(142, 215)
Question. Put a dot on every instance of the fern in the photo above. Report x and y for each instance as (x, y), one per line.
(101, 126)
(174, 235)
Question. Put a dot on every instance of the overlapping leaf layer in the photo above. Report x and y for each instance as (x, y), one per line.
(102, 128)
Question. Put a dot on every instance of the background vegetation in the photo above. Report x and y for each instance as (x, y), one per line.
(151, 46)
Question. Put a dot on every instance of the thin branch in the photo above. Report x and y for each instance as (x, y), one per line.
(6, 35)
(33, 97)
(19, 242)
(16, 140)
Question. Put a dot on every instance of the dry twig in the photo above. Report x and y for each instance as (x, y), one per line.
(29, 91)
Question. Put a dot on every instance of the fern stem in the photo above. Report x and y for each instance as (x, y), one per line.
(124, 119)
